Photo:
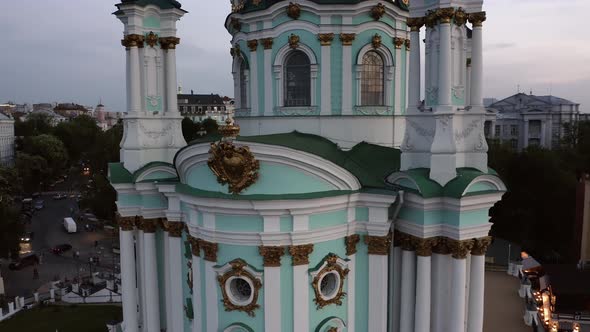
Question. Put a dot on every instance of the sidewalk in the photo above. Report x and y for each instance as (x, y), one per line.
(504, 309)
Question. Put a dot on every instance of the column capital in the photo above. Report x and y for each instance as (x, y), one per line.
(480, 246)
(460, 249)
(169, 43)
(271, 255)
(408, 43)
(404, 241)
(442, 246)
(460, 17)
(445, 15)
(325, 38)
(125, 223)
(301, 253)
(267, 43)
(424, 246)
(351, 241)
(347, 38)
(195, 245)
(477, 19)
(148, 225)
(252, 44)
(151, 39)
(133, 40)
(415, 23)
(378, 245)
(174, 228)
(431, 18)
(398, 42)
(376, 40)
(209, 249)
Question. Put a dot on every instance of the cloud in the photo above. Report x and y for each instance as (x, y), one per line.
(499, 46)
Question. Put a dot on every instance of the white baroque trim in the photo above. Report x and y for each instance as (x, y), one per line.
(452, 232)
(167, 169)
(278, 69)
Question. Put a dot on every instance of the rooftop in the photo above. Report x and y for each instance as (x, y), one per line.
(203, 99)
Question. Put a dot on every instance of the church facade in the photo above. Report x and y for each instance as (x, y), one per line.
(302, 216)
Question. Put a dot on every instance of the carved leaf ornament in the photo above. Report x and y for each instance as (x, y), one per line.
(234, 166)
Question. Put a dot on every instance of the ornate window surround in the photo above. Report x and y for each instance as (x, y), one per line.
(239, 61)
(279, 70)
(331, 264)
(388, 73)
(238, 268)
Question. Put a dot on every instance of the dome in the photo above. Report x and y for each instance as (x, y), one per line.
(246, 6)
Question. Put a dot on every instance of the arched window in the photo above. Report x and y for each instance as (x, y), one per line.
(372, 80)
(297, 80)
(243, 85)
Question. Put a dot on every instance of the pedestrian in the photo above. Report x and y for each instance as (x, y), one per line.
(77, 254)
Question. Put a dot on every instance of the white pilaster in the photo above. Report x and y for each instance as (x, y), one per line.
(398, 82)
(254, 84)
(476, 67)
(456, 319)
(440, 285)
(476, 293)
(272, 298)
(171, 83)
(128, 285)
(167, 281)
(326, 82)
(140, 276)
(377, 293)
(268, 109)
(423, 279)
(415, 68)
(346, 80)
(197, 295)
(445, 65)
(351, 292)
(300, 298)
(134, 81)
(396, 289)
(408, 291)
(152, 290)
(175, 267)
(211, 297)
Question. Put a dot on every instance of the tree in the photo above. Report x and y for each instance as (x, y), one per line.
(51, 149)
(101, 199)
(32, 170)
(78, 135)
(106, 148)
(210, 126)
(189, 129)
(36, 124)
(10, 228)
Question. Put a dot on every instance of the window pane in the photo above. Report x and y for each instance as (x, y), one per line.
(372, 80)
(297, 80)
(243, 88)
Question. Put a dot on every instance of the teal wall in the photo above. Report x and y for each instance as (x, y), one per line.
(336, 73)
(362, 214)
(151, 22)
(274, 179)
(159, 175)
(224, 222)
(305, 16)
(286, 294)
(287, 223)
(149, 201)
(362, 286)
(128, 200)
(328, 219)
(452, 218)
(203, 297)
(225, 254)
(320, 251)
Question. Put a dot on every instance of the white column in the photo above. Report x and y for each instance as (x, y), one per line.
(423, 276)
(476, 289)
(445, 65)
(300, 256)
(171, 83)
(272, 286)
(468, 86)
(351, 293)
(415, 66)
(408, 290)
(167, 282)
(456, 319)
(128, 285)
(326, 82)
(255, 110)
(440, 287)
(268, 110)
(175, 267)
(398, 81)
(211, 285)
(152, 289)
(377, 291)
(134, 82)
(397, 286)
(476, 66)
(140, 275)
(346, 80)
(197, 293)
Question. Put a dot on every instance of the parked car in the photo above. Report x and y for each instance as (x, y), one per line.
(39, 205)
(35, 195)
(61, 248)
(24, 261)
(60, 196)
(27, 237)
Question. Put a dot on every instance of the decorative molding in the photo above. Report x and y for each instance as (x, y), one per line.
(347, 38)
(301, 253)
(332, 264)
(235, 166)
(271, 255)
(235, 23)
(442, 246)
(376, 41)
(133, 40)
(169, 43)
(239, 269)
(174, 228)
(378, 245)
(267, 43)
(195, 245)
(463, 134)
(407, 43)
(477, 19)
(235, 51)
(424, 247)
(431, 18)
(151, 39)
(415, 23)
(148, 225)
(294, 10)
(445, 15)
(325, 38)
(480, 246)
(460, 249)
(398, 42)
(351, 241)
(126, 223)
(252, 45)
(293, 41)
(460, 17)
(378, 11)
(209, 250)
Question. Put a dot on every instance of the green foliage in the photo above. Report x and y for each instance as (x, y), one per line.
(36, 124)
(105, 148)
(49, 148)
(193, 130)
(32, 170)
(189, 129)
(210, 126)
(78, 135)
(10, 228)
(101, 198)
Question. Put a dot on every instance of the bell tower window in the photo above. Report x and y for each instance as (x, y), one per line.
(297, 80)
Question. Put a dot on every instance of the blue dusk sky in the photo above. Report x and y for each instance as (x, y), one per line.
(70, 51)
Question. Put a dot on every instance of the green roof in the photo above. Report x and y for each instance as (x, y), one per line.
(147, 166)
(188, 190)
(163, 4)
(119, 174)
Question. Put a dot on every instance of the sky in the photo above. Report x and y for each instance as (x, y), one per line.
(70, 51)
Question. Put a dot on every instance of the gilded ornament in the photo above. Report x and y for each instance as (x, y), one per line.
(301, 253)
(351, 241)
(195, 246)
(460, 249)
(347, 38)
(445, 15)
(189, 275)
(148, 225)
(398, 42)
(174, 228)
(256, 2)
(405, 241)
(480, 246)
(235, 51)
(266, 43)
(442, 246)
(151, 39)
(415, 23)
(209, 250)
(376, 41)
(424, 246)
(332, 329)
(126, 223)
(477, 19)
(133, 40)
(460, 17)
(378, 11)
(378, 245)
(271, 255)
(237, 270)
(253, 45)
(293, 10)
(293, 41)
(169, 43)
(331, 265)
(325, 38)
(235, 23)
(431, 18)
(237, 6)
(407, 43)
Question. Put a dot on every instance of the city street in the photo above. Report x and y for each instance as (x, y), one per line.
(47, 225)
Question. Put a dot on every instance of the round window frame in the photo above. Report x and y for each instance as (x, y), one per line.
(335, 290)
(233, 298)
(332, 264)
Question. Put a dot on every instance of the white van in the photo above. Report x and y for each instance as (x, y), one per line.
(70, 225)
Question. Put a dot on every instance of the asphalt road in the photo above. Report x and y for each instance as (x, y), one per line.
(49, 232)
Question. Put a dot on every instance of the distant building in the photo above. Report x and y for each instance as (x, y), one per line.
(524, 120)
(105, 119)
(54, 118)
(584, 117)
(6, 140)
(199, 107)
(71, 110)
